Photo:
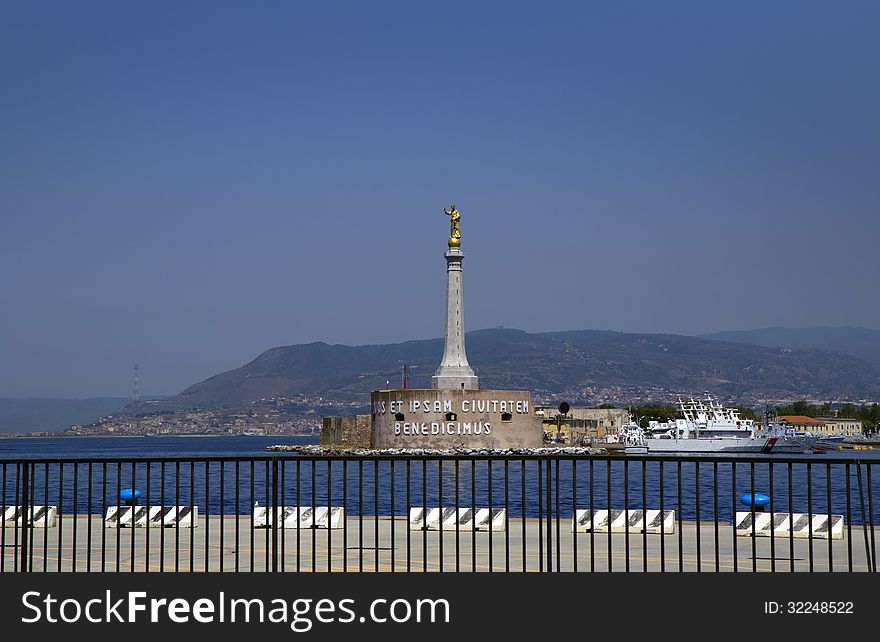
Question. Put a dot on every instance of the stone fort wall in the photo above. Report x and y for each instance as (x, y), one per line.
(450, 418)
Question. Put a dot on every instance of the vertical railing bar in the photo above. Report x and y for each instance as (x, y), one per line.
(313, 464)
(162, 526)
(329, 512)
(540, 471)
(849, 560)
(409, 510)
(473, 513)
(715, 506)
(772, 519)
(251, 506)
(558, 542)
(625, 514)
(522, 497)
(752, 508)
(680, 524)
(133, 514)
(790, 523)
(25, 510)
(61, 516)
(662, 520)
(592, 530)
(33, 497)
(278, 516)
(828, 506)
(147, 533)
(440, 504)
(345, 512)
(88, 523)
(238, 516)
(608, 493)
(645, 517)
(192, 505)
(270, 529)
(574, 541)
(699, 516)
(869, 553)
(207, 517)
(489, 481)
(46, 503)
(361, 515)
(3, 523)
(103, 512)
(376, 515)
(549, 519)
(506, 517)
(222, 512)
(16, 502)
(810, 512)
(298, 527)
(177, 517)
(283, 505)
(869, 466)
(425, 518)
(733, 515)
(393, 484)
(457, 527)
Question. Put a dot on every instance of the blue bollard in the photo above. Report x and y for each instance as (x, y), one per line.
(760, 501)
(130, 496)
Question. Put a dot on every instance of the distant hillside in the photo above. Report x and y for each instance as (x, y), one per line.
(857, 342)
(52, 415)
(552, 362)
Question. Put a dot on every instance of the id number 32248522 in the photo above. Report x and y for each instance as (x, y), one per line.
(809, 608)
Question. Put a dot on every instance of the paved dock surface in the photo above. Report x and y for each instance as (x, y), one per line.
(232, 544)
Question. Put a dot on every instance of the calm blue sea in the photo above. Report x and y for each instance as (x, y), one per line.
(369, 488)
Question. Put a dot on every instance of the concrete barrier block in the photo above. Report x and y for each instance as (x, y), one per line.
(797, 525)
(421, 518)
(331, 517)
(38, 516)
(496, 520)
(152, 516)
(633, 521)
(462, 519)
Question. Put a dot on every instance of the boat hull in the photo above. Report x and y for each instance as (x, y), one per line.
(733, 445)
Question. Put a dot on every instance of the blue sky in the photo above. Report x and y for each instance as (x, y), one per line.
(186, 184)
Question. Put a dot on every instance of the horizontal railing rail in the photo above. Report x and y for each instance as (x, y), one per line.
(447, 513)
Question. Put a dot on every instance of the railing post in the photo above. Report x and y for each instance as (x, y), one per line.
(549, 518)
(25, 517)
(865, 520)
(275, 516)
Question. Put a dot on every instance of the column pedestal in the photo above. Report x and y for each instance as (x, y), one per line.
(454, 371)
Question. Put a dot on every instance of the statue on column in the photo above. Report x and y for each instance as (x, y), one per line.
(454, 231)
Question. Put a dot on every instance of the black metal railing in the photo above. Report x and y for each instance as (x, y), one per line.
(502, 513)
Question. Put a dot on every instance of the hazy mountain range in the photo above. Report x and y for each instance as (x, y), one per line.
(827, 363)
(863, 343)
(550, 362)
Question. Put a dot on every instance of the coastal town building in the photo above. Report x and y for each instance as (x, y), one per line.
(841, 426)
(823, 426)
(580, 426)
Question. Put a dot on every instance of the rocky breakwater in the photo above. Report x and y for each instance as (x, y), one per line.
(330, 451)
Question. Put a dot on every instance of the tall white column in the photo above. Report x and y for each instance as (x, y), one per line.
(454, 370)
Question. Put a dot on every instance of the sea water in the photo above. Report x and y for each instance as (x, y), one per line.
(708, 490)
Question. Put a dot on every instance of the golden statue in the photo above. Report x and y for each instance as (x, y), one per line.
(454, 231)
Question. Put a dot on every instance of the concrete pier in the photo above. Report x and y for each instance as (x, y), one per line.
(357, 548)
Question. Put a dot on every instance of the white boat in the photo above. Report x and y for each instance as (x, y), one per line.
(791, 440)
(705, 427)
